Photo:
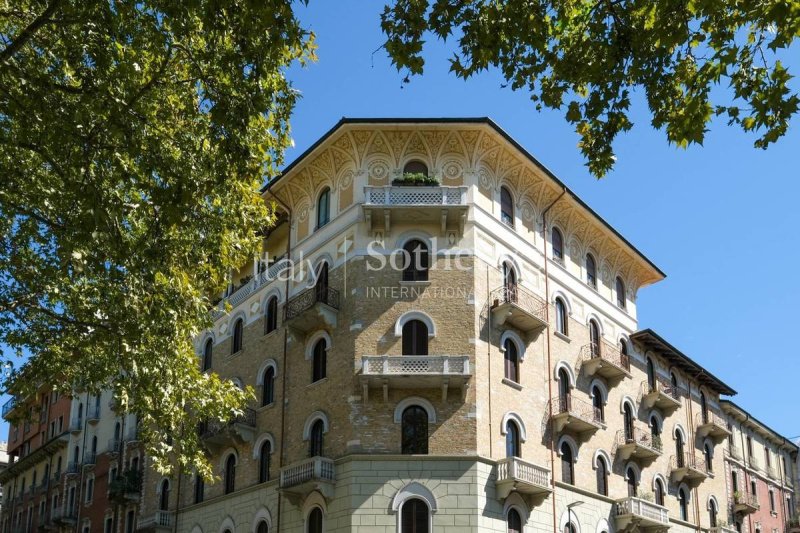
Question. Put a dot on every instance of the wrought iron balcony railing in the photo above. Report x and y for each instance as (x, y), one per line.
(518, 306)
(309, 298)
(640, 438)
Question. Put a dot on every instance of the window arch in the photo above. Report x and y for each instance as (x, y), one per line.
(415, 338)
(415, 167)
(709, 458)
(316, 439)
(594, 337)
(416, 260)
(591, 271)
(513, 521)
(208, 354)
(414, 400)
(264, 456)
(562, 323)
(506, 207)
(414, 430)
(564, 389)
(557, 242)
(315, 521)
(632, 480)
(262, 527)
(602, 475)
(323, 207)
(712, 512)
(238, 334)
(658, 488)
(627, 412)
(319, 360)
(230, 473)
(509, 282)
(513, 446)
(414, 516)
(683, 503)
(511, 360)
(567, 463)
(598, 402)
(651, 374)
(620, 289)
(268, 386)
(680, 458)
(163, 496)
(271, 315)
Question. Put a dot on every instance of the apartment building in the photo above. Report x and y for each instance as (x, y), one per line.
(759, 465)
(443, 338)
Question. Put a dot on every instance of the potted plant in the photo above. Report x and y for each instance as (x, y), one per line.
(415, 179)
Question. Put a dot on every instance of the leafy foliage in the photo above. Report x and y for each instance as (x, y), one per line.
(133, 140)
(588, 57)
(415, 178)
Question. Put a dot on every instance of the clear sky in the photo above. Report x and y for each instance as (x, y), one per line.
(720, 220)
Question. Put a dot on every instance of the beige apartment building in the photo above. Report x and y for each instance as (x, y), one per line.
(443, 338)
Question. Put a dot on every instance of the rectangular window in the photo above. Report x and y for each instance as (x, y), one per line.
(89, 489)
(109, 525)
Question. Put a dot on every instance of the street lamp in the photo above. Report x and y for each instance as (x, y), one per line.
(572, 528)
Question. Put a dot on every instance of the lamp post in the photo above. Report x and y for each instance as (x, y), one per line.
(572, 528)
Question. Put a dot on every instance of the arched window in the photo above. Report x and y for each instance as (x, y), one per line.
(708, 457)
(208, 354)
(513, 448)
(655, 432)
(659, 496)
(569, 527)
(230, 474)
(620, 287)
(262, 527)
(567, 465)
(651, 374)
(514, 521)
(414, 429)
(268, 388)
(594, 338)
(679, 457)
(602, 476)
(319, 363)
(509, 282)
(591, 271)
(703, 407)
(712, 513)
(417, 261)
(630, 478)
(506, 207)
(321, 284)
(271, 315)
(597, 403)
(511, 358)
(415, 338)
(238, 333)
(557, 240)
(415, 167)
(414, 516)
(163, 500)
(315, 520)
(94, 445)
(683, 502)
(628, 421)
(753, 488)
(263, 461)
(563, 391)
(674, 380)
(199, 488)
(316, 439)
(323, 207)
(561, 317)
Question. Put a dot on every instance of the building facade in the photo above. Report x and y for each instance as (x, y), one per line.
(443, 338)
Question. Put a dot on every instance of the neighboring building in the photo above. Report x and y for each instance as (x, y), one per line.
(3, 465)
(499, 382)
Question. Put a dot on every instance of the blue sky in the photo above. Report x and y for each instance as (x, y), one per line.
(720, 220)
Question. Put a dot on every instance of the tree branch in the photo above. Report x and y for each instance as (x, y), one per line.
(26, 34)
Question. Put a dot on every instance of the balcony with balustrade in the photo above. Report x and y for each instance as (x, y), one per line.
(158, 521)
(605, 360)
(241, 293)
(239, 429)
(745, 503)
(523, 477)
(661, 394)
(575, 415)
(519, 308)
(93, 414)
(313, 308)
(688, 468)
(114, 446)
(298, 480)
(76, 424)
(423, 204)
(414, 372)
(711, 424)
(638, 443)
(65, 516)
(636, 514)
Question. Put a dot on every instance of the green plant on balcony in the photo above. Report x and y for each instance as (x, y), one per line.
(415, 179)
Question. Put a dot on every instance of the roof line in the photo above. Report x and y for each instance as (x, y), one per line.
(460, 120)
(759, 422)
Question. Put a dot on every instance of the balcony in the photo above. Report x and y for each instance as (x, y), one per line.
(73, 467)
(575, 415)
(93, 414)
(640, 443)
(635, 514)
(9, 406)
(445, 205)
(300, 479)
(313, 308)
(606, 360)
(159, 521)
(414, 372)
(89, 459)
(127, 487)
(689, 468)
(64, 516)
(516, 475)
(239, 429)
(518, 307)
(663, 395)
(114, 446)
(712, 425)
(247, 289)
(76, 425)
(745, 503)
